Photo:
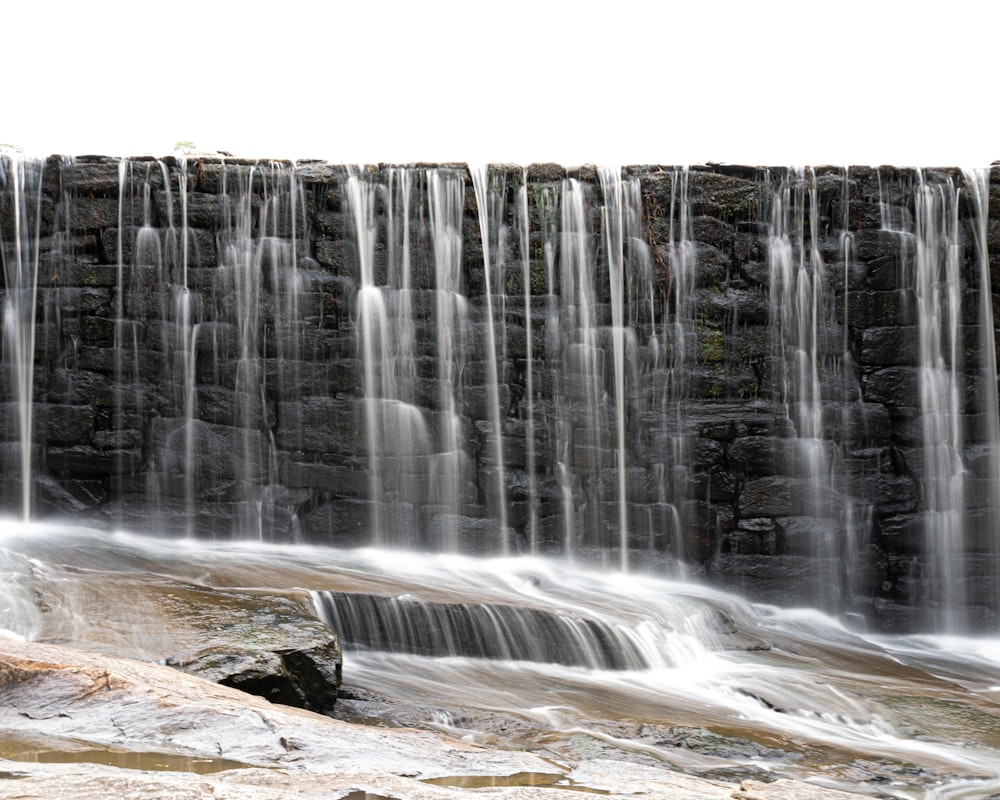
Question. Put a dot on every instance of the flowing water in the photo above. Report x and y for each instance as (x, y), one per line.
(799, 298)
(571, 663)
(543, 402)
(20, 260)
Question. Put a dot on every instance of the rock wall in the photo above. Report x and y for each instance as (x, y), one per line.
(307, 352)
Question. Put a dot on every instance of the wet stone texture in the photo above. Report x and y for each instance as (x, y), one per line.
(262, 645)
(93, 727)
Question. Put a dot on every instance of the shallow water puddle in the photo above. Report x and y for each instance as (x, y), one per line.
(159, 762)
(552, 780)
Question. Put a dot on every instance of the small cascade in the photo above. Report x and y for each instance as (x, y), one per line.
(399, 278)
(943, 245)
(397, 442)
(406, 624)
(128, 389)
(182, 323)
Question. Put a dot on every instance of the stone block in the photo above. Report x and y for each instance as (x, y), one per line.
(214, 454)
(890, 346)
(86, 461)
(893, 386)
(321, 424)
(778, 496)
(98, 213)
(66, 424)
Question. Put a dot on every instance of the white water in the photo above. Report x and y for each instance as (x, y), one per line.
(789, 692)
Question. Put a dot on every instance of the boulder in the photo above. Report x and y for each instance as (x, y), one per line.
(261, 644)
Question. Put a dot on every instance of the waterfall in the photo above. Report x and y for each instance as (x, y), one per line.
(705, 371)
(485, 419)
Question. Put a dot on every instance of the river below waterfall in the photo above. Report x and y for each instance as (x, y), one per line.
(557, 658)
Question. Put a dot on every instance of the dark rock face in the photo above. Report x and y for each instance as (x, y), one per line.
(307, 352)
(301, 678)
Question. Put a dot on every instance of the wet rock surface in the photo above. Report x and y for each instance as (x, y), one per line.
(68, 697)
(107, 716)
(261, 644)
(91, 711)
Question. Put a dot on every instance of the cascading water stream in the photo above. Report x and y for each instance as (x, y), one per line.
(581, 419)
(399, 192)
(676, 354)
(446, 192)
(240, 261)
(373, 339)
(938, 286)
(613, 225)
(186, 342)
(857, 514)
(484, 196)
(797, 306)
(524, 239)
(20, 261)
(257, 244)
(986, 494)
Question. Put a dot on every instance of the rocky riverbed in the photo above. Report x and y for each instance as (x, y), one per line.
(83, 725)
(114, 644)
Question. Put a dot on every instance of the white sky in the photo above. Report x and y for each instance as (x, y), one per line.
(596, 81)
